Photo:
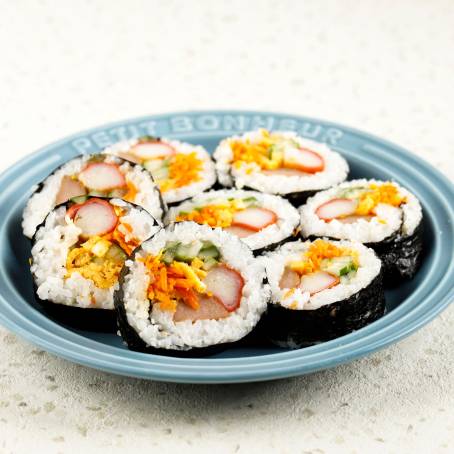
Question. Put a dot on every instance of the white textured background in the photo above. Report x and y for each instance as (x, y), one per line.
(385, 67)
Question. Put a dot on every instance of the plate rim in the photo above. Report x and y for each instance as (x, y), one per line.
(246, 369)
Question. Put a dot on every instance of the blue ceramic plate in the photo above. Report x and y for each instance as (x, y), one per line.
(410, 306)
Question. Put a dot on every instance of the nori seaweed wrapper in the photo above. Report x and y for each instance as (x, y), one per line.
(400, 254)
(273, 246)
(291, 328)
(299, 198)
(100, 320)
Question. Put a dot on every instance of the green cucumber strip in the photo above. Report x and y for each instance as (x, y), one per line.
(148, 139)
(152, 164)
(347, 269)
(79, 199)
(168, 257)
(209, 252)
(352, 192)
(160, 174)
(97, 158)
(115, 252)
(338, 265)
(270, 150)
(169, 252)
(188, 252)
(294, 143)
(97, 194)
(250, 200)
(209, 263)
(117, 193)
(172, 244)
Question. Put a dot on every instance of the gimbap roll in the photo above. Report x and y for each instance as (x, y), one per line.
(262, 221)
(321, 290)
(181, 170)
(188, 289)
(78, 253)
(381, 214)
(98, 175)
(280, 163)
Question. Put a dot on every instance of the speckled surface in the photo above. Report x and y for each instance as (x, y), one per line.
(383, 68)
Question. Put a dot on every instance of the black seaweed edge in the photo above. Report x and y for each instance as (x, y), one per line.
(400, 254)
(289, 328)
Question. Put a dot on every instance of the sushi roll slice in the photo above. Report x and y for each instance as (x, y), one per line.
(78, 253)
(98, 175)
(321, 290)
(280, 163)
(189, 290)
(181, 170)
(262, 221)
(381, 214)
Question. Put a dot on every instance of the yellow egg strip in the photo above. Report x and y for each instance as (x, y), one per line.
(386, 193)
(318, 251)
(247, 152)
(218, 214)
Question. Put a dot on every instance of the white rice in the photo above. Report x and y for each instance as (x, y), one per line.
(335, 171)
(159, 330)
(275, 262)
(288, 217)
(406, 218)
(50, 250)
(208, 172)
(43, 201)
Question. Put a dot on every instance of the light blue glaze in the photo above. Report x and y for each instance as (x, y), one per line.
(410, 306)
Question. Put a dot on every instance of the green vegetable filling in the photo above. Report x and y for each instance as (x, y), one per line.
(204, 250)
(79, 199)
(339, 266)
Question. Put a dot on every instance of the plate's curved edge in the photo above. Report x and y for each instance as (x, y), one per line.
(360, 351)
(246, 377)
(110, 125)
